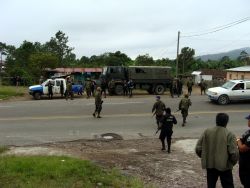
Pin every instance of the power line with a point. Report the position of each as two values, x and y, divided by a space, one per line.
219 28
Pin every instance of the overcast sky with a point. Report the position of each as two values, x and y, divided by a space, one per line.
132 26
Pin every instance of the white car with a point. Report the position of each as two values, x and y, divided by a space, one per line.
233 90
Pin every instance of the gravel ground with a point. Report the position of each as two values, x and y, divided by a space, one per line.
142 158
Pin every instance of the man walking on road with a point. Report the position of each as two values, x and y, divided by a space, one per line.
218 152
190 84
158 110
184 106
98 103
166 126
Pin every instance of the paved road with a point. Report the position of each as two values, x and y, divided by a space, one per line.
34 122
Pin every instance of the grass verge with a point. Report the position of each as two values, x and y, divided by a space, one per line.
3 149
11 91
47 171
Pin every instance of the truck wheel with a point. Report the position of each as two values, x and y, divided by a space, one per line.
119 89
37 96
159 89
223 99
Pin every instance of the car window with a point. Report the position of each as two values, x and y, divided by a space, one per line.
247 85
239 86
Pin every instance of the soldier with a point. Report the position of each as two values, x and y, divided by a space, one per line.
130 87
166 126
183 106
111 86
158 110
88 84
125 88
178 87
203 86
98 103
190 84
103 87
50 90
171 88
61 89
69 89
93 87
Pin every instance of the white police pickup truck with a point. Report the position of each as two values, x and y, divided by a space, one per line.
37 91
233 90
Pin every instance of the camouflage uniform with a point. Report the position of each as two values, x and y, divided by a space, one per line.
190 84
111 87
183 106
203 86
88 87
158 110
69 90
98 103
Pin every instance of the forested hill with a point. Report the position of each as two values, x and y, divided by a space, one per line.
234 54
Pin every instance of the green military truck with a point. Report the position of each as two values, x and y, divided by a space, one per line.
154 79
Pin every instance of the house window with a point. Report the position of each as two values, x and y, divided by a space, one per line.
242 77
230 76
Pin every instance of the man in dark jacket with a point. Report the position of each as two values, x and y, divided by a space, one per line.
166 126
244 162
218 152
50 90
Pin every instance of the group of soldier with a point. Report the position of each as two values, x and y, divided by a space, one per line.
176 86
127 86
64 93
165 120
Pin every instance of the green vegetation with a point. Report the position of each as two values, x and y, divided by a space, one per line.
31 59
11 91
25 172
3 149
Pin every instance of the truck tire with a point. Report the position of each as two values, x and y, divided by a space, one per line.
159 89
119 89
37 96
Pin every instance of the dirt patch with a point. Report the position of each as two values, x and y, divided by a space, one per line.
142 158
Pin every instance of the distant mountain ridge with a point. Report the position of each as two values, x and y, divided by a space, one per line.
233 54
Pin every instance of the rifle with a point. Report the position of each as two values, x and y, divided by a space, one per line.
177 110
157 131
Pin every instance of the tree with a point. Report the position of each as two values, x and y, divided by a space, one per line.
144 60
40 61
186 58
244 57
59 46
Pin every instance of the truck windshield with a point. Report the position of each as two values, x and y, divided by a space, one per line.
228 85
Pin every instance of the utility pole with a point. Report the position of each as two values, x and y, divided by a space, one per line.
177 56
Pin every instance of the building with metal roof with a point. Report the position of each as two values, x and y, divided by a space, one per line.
238 73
